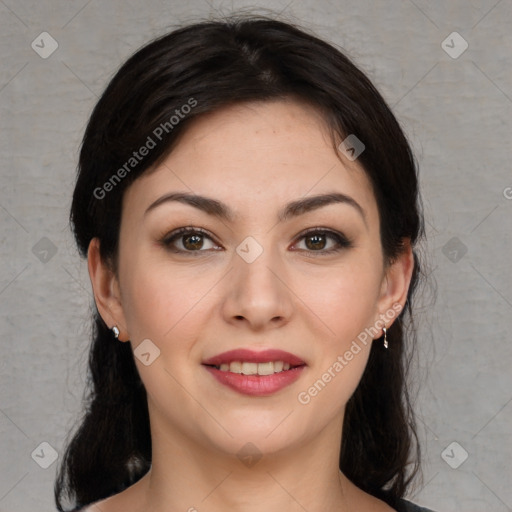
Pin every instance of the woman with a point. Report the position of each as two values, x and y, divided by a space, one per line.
249 209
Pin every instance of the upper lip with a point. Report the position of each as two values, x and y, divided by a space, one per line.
253 356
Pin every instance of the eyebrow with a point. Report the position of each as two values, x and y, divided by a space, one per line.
293 209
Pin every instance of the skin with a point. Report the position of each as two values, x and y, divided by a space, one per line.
255 158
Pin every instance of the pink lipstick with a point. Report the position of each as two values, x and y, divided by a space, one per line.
255 373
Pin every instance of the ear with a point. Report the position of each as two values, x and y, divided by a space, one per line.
395 283
106 290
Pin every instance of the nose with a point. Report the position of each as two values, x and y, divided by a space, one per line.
258 293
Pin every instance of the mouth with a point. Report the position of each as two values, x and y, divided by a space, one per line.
255 373
248 368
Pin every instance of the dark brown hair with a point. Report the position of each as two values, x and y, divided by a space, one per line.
211 65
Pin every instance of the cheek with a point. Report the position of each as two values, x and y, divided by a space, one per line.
346 303
344 299
161 302
168 307
338 367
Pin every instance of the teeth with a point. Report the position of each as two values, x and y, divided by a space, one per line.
250 368
268 368
235 367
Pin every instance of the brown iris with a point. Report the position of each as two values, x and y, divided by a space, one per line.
318 241
196 241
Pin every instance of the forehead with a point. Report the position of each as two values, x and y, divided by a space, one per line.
255 157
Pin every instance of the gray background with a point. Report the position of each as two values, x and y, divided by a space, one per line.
457 113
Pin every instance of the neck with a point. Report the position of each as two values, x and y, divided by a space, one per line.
184 476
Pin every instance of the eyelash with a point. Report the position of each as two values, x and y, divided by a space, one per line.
342 241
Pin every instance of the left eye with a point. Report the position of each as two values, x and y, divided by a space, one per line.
316 241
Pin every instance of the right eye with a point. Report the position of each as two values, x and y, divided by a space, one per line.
191 240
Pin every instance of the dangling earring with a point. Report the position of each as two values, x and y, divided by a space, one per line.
385 337
115 330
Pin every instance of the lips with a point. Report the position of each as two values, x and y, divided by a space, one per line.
251 356
254 373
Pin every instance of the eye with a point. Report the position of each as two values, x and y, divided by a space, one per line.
189 240
196 240
316 240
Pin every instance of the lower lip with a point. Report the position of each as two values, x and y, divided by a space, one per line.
257 385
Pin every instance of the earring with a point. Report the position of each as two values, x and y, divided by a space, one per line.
115 330
385 337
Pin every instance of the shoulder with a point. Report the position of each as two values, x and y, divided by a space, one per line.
408 506
127 500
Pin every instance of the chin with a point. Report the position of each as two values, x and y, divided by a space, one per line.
257 438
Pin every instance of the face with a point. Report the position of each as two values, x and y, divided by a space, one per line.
278 270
